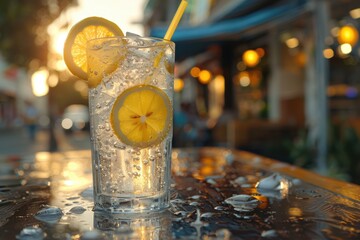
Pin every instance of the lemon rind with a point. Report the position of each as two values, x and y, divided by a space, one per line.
119 103
74 31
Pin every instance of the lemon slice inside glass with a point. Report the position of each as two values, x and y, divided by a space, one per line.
141 116
75 44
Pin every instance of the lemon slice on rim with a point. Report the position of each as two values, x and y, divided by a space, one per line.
141 116
75 44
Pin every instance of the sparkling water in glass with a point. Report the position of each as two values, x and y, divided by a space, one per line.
132 157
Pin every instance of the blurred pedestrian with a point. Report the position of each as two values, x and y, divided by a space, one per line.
31 120
186 132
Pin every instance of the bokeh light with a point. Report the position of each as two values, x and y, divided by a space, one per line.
345 48
39 82
195 71
328 53
67 123
219 82
53 80
58 42
348 34
204 76
178 85
241 66
251 58
244 79
260 52
292 42
355 13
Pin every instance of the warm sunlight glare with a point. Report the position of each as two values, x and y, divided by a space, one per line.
58 42
39 82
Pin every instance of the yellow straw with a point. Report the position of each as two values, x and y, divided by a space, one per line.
176 19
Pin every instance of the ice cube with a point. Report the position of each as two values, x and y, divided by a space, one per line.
130 34
272 182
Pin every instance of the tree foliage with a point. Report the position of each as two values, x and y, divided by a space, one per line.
23 28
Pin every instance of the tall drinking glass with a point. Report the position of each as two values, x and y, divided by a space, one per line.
131 111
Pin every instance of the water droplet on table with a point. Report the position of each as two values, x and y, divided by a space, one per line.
124 229
194 204
220 208
198 223
207 215
177 200
87 193
77 210
296 182
31 233
223 234
269 234
240 180
243 202
91 235
195 197
49 214
72 198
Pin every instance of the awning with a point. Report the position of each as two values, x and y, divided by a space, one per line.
230 29
235 8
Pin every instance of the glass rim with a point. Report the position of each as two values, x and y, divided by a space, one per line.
156 39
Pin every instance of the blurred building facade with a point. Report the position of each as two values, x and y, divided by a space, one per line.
283 64
15 92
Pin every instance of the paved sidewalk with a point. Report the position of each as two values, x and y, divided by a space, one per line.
16 142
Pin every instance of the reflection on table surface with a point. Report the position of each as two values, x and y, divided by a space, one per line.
216 194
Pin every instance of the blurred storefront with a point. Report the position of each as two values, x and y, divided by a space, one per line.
15 92
285 65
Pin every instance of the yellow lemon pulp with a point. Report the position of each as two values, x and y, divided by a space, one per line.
141 116
75 45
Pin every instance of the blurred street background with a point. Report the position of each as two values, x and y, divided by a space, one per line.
280 78
15 142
